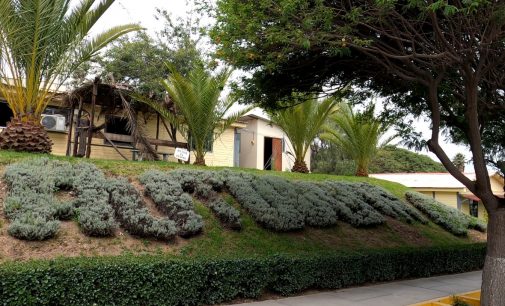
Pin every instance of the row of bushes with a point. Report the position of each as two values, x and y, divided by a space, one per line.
94 213
170 198
30 204
449 218
158 280
206 186
284 205
132 214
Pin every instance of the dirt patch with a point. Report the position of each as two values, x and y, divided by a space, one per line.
148 202
476 236
408 233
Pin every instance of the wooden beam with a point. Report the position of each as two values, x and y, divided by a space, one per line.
69 136
92 119
77 124
112 144
152 141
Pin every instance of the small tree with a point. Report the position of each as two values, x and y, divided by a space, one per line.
459 161
302 123
202 112
358 135
41 43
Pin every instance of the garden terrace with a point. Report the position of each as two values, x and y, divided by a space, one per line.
214 215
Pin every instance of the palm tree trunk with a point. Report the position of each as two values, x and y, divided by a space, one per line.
300 166
199 160
362 171
25 136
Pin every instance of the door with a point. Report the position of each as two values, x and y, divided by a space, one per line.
236 150
277 154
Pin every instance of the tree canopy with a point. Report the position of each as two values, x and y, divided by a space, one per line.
444 60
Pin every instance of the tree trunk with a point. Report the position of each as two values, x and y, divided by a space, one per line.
300 166
199 161
25 136
493 277
362 171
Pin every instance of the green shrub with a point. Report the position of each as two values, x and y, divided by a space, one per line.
30 204
449 218
158 280
31 226
134 216
226 213
170 198
94 213
362 214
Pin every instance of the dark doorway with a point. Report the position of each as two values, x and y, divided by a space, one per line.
272 154
267 154
5 114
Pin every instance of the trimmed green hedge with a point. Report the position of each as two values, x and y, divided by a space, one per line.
159 280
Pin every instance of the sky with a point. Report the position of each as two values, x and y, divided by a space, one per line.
143 11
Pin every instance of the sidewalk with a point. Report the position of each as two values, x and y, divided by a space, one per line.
389 294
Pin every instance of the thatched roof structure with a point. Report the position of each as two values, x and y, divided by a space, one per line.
114 99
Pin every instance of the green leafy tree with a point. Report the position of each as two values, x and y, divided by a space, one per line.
41 43
302 123
459 161
391 159
202 114
439 59
358 135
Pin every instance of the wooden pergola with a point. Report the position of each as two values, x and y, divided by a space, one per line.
111 99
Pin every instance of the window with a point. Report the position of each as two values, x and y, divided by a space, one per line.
209 142
119 126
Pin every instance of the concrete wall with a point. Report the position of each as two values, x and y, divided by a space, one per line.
249 145
253 145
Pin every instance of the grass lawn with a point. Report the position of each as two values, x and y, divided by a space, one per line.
216 241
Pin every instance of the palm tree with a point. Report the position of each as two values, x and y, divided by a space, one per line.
41 43
459 161
358 135
302 123
202 115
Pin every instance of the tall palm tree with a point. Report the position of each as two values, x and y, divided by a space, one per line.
41 43
302 123
358 135
202 115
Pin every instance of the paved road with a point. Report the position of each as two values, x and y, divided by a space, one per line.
389 294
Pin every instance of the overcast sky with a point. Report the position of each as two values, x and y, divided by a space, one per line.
143 11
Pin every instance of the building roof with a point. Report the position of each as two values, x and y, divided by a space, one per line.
439 180
423 180
257 113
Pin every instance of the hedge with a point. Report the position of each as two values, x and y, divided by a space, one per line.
160 280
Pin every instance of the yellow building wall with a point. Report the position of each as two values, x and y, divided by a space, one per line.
448 198
221 155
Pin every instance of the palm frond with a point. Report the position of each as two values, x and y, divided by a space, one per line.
303 122
41 42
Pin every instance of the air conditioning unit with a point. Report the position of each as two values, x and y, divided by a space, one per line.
54 122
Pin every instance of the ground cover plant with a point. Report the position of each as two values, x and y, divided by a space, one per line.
170 198
449 218
219 264
134 216
30 204
102 205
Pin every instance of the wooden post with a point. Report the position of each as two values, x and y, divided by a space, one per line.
69 137
92 118
157 129
77 130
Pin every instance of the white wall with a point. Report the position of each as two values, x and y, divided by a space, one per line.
253 145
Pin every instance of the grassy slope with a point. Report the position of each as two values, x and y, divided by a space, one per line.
256 241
